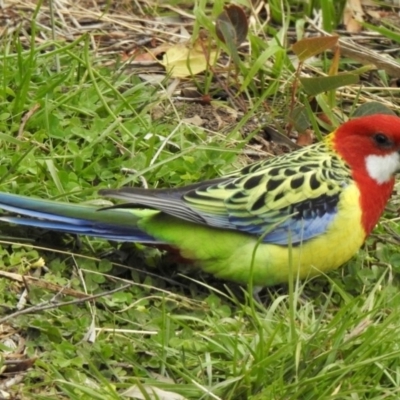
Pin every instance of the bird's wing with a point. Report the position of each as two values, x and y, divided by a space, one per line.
289 199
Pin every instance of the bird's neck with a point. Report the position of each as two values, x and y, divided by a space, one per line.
373 198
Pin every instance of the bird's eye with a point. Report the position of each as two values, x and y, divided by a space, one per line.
382 140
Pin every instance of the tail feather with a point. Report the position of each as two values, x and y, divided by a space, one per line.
113 224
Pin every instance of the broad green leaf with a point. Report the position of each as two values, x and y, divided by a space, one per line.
372 107
314 86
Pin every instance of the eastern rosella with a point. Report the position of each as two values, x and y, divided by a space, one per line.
309 210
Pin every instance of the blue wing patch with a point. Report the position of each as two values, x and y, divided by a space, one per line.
295 224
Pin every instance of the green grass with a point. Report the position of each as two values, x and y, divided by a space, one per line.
175 329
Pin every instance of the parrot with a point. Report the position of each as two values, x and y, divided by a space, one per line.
299 214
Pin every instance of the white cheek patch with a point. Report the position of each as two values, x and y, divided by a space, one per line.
382 168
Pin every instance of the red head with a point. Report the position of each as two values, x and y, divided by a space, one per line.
370 145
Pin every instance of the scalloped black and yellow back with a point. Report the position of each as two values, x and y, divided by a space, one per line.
293 197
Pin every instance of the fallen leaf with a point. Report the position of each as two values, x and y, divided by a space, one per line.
305 138
353 16
181 61
13 366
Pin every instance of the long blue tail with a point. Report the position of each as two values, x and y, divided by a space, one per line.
111 224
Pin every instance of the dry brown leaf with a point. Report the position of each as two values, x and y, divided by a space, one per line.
13 366
232 25
305 138
353 15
